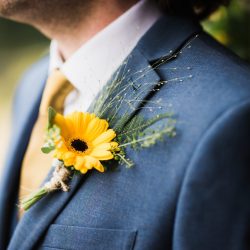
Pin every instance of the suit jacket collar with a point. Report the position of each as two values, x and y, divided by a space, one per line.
167 36
36 221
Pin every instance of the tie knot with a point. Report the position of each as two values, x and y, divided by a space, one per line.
56 89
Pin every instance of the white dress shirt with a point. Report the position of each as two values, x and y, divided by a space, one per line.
91 66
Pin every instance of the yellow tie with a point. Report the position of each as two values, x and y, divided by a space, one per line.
36 165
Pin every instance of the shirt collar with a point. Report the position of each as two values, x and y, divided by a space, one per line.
94 63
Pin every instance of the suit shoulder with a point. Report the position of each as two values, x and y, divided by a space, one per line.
206 73
219 53
219 64
222 70
31 82
36 70
34 73
202 83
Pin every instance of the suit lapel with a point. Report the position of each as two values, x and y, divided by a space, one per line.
128 89
136 81
23 123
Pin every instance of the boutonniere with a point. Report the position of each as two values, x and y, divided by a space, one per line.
82 142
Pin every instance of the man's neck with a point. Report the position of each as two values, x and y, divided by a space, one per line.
70 37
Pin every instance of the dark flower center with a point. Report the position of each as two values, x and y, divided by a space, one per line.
79 145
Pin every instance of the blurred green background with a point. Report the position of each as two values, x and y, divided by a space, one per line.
21 45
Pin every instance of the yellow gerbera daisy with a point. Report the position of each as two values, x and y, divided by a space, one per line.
85 141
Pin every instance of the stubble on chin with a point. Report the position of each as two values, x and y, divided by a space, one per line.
15 9
43 11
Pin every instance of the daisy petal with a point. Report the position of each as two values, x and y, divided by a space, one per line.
101 155
79 122
69 159
104 146
107 136
91 162
61 122
95 128
80 165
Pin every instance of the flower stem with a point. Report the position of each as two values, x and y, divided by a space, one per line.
33 198
58 181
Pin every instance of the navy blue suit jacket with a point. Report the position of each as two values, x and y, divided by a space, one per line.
191 192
